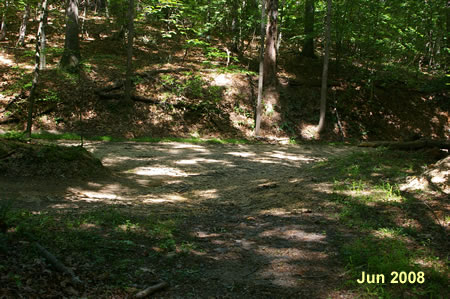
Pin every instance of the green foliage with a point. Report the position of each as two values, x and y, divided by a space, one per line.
381 256
385 256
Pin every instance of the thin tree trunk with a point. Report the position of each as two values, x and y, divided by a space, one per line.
83 20
280 35
308 47
71 56
261 72
270 55
43 55
23 26
323 92
107 11
235 26
3 25
129 73
36 69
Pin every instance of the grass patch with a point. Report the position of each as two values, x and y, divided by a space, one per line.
374 255
368 199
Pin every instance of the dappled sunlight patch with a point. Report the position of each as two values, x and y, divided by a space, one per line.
222 80
309 132
206 194
159 171
285 156
64 206
88 226
274 212
202 160
241 154
296 232
5 59
162 199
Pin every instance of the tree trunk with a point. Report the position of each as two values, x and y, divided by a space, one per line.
36 69
323 92
270 55
235 26
71 56
23 26
128 83
261 72
3 25
43 59
279 37
308 47
83 20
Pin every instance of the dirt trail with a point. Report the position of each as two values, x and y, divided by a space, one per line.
256 212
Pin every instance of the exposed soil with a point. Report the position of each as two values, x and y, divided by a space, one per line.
256 212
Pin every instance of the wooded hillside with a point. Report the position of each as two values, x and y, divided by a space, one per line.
183 68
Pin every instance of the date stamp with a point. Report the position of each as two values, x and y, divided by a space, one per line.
396 277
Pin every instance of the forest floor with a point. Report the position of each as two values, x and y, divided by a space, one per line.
229 221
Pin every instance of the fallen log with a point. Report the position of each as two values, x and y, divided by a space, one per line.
150 290
57 264
408 145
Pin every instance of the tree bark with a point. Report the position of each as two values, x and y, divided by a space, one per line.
128 83
71 56
43 63
323 91
36 69
308 47
3 25
280 25
270 55
235 24
23 26
261 72
83 20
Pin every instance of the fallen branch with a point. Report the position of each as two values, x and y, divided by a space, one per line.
408 145
57 264
152 289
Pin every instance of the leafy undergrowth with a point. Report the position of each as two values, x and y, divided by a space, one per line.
114 251
397 231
